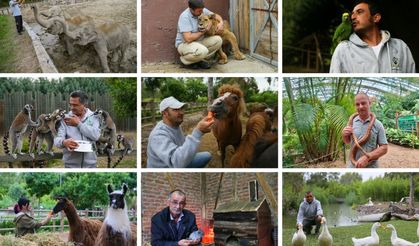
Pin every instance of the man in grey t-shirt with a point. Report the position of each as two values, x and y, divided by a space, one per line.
191 43
376 145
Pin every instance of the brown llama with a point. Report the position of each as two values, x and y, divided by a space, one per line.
83 231
117 229
257 139
227 109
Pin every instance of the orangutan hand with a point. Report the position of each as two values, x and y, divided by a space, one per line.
205 124
362 162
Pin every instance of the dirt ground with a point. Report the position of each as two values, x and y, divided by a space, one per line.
86 59
249 65
396 157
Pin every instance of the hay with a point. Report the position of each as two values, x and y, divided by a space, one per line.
39 239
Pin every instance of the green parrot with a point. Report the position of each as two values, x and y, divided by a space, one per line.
343 31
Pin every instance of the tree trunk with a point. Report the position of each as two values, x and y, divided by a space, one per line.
210 89
412 191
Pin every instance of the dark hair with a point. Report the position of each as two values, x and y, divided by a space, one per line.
373 6
16 208
84 99
22 201
194 4
308 192
177 191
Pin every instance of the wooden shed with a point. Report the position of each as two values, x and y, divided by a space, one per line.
243 222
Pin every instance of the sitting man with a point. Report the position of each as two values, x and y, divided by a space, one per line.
191 42
310 213
168 146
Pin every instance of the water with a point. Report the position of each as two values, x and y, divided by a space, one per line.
336 214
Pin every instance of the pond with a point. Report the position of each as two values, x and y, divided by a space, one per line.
336 214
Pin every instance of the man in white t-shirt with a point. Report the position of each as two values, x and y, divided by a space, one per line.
369 49
15 8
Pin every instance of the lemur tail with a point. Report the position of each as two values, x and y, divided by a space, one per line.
120 158
5 143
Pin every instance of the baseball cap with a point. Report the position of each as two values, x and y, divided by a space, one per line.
170 102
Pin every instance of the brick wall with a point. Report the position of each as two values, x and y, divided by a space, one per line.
155 188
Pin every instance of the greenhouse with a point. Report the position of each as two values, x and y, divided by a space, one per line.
316 111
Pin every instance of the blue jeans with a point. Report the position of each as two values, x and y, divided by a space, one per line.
200 160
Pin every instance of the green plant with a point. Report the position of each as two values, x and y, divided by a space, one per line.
399 137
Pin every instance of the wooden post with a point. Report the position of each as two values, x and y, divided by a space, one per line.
170 180
234 179
203 197
218 191
61 221
270 197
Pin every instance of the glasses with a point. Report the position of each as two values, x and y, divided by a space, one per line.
181 204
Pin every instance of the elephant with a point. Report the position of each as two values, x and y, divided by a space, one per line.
108 37
73 23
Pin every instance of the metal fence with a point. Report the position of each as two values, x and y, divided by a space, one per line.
46 103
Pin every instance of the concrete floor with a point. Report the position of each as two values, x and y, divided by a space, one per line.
249 65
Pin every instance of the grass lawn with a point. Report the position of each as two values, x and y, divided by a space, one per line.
342 235
7 30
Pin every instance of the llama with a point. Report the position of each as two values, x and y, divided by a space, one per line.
116 229
83 231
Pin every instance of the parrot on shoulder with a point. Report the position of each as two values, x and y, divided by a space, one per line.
342 32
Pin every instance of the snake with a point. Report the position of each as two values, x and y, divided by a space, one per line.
362 140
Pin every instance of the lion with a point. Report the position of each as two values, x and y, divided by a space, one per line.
226 35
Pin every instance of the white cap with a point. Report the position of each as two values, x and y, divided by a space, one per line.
170 102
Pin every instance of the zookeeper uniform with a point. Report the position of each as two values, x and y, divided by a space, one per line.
392 55
377 137
200 49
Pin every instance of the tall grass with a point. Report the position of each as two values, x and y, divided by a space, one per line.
7 29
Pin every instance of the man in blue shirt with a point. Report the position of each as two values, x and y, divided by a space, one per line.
192 44
15 8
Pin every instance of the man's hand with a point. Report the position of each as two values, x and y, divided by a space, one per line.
362 162
70 144
72 121
205 124
347 131
186 242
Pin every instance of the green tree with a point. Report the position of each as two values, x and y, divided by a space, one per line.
174 87
195 88
40 184
349 178
16 191
152 84
124 95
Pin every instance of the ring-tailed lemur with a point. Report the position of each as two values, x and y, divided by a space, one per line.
106 142
47 130
128 145
17 129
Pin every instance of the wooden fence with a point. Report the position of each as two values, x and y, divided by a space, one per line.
58 223
147 107
46 103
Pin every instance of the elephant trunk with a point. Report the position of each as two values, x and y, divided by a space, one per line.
42 22
72 35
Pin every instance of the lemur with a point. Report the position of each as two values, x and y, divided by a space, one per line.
106 142
47 130
128 145
16 131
